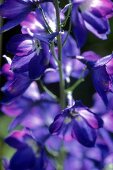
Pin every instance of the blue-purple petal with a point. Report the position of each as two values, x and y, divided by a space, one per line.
84 133
79 29
15 87
101 81
38 64
16 139
23 159
57 124
20 45
99 24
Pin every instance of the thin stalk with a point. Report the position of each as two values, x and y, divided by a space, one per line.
67 17
75 85
62 82
45 20
67 34
68 14
48 91
53 52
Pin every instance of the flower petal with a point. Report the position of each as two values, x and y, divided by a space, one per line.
83 133
23 159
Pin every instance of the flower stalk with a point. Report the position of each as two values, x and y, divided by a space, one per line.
62 82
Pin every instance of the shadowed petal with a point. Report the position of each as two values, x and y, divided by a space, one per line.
84 133
23 159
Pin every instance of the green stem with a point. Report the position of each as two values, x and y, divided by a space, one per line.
48 91
68 14
67 17
75 85
62 82
52 47
69 30
45 20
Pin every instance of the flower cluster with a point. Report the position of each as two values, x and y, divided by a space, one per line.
51 130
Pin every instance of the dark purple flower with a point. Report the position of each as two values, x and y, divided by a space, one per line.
79 157
101 76
106 113
16 11
31 55
30 110
77 122
44 161
5 70
25 157
54 144
17 139
15 85
34 22
92 15
71 66
73 163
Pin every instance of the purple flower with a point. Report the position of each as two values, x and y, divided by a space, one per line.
30 110
34 22
25 157
101 75
79 157
16 11
72 67
77 122
15 85
106 113
92 15
44 161
73 163
31 55
17 139
36 26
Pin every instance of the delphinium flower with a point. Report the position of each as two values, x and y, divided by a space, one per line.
31 55
36 23
104 139
101 77
41 23
32 51
44 45
91 15
30 109
15 85
72 67
16 11
106 113
77 122
79 157
25 157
